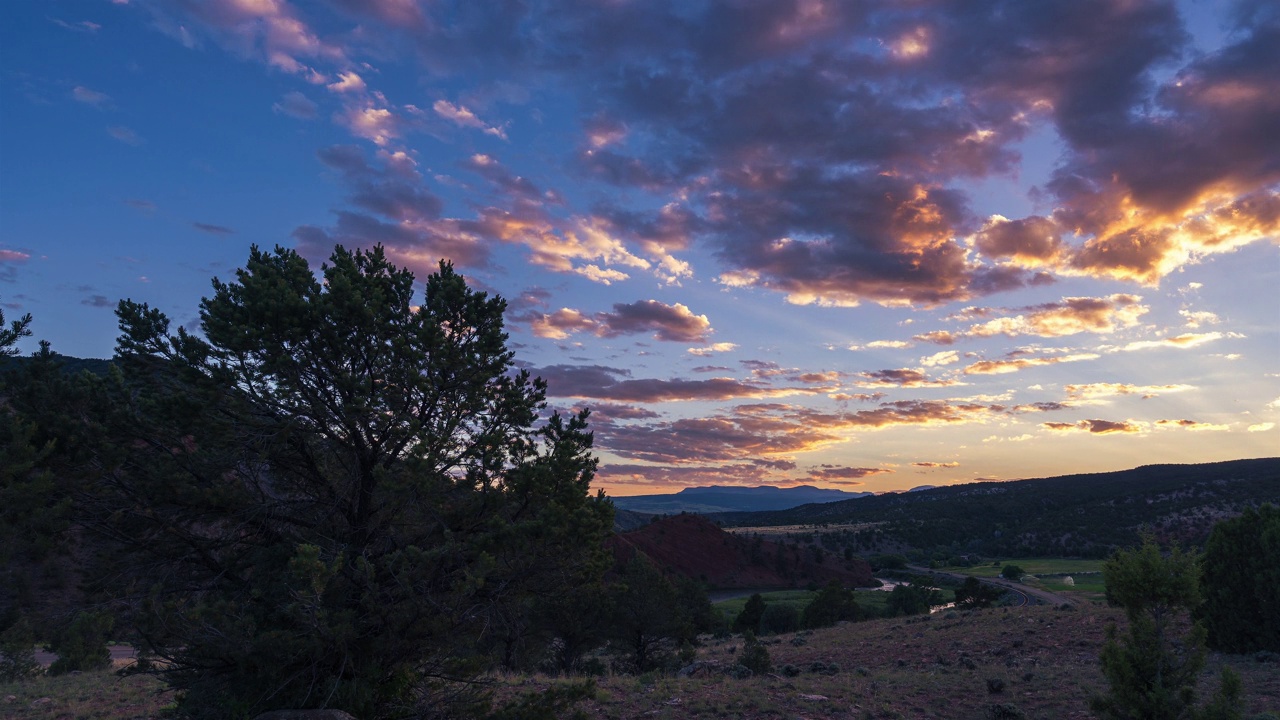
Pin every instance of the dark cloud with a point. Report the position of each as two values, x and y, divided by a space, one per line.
604 383
674 323
667 322
903 377
826 150
1096 427
212 229
98 301
844 475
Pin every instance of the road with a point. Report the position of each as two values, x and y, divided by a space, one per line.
118 652
1026 593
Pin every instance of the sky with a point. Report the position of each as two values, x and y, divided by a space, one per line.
867 245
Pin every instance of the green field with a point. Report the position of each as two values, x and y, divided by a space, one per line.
872 602
798 598
1050 574
1033 566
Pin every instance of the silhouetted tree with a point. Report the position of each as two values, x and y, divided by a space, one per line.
1241 582
972 593
751 614
831 605
326 499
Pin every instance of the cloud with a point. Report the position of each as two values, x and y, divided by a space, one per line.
936 464
668 322
373 122
1096 427
124 135
97 301
713 348
1191 425
1091 392
1199 317
1010 365
269 31
212 229
1069 316
9 262
296 105
463 117
903 377
940 359
1261 427
348 82
829 152
880 344
84 26
90 97
844 475
1183 341
141 204
673 323
604 383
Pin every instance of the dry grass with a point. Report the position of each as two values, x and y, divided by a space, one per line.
928 667
81 696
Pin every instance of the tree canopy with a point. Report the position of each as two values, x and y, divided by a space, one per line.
1241 582
333 492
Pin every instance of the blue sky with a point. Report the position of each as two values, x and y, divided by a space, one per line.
867 245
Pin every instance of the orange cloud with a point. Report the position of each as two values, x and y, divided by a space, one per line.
1096 427
1000 367
1100 391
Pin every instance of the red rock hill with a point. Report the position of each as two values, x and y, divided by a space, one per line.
692 546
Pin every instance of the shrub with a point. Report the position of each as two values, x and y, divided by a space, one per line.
752 612
82 644
1011 572
755 656
780 618
1241 582
17 652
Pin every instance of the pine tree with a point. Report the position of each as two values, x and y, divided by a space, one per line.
328 498
1153 668
1241 582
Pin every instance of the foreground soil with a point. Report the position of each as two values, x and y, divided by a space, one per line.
1032 662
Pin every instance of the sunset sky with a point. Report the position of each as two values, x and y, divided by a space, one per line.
865 245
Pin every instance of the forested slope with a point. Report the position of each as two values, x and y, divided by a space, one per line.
1072 515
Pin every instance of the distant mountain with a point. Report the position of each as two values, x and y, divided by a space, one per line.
1072 515
70 365
722 498
692 546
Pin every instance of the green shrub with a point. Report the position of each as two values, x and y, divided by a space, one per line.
755 656
780 618
82 644
17 652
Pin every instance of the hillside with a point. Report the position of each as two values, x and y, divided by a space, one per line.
694 547
1072 515
722 498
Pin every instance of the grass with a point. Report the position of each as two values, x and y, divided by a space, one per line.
931 666
799 598
85 696
872 601
1034 566
1050 574
922 667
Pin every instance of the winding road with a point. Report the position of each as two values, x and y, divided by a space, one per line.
1026 593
